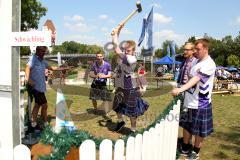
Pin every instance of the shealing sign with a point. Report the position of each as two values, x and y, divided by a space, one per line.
32 38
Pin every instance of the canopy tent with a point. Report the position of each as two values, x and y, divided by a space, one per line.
220 67
166 60
231 69
178 62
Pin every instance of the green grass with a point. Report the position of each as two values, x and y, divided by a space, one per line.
79 106
224 143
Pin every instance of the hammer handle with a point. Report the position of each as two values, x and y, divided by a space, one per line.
126 19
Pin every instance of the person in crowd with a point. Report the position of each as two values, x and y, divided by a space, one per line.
159 71
165 68
141 69
225 74
63 75
35 80
127 100
183 78
177 72
198 91
142 78
187 65
100 71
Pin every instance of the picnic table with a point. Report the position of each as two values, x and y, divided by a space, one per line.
223 84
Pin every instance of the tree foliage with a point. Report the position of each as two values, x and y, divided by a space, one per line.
225 51
233 60
72 47
31 12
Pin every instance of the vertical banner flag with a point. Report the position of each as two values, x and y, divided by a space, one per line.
143 31
168 50
150 29
173 51
147 30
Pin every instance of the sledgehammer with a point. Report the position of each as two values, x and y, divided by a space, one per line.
139 9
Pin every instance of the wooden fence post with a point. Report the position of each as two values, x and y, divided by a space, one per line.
119 150
87 150
105 152
138 147
130 148
21 152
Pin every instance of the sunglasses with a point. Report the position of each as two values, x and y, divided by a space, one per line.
187 49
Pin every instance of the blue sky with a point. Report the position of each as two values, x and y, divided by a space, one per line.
91 21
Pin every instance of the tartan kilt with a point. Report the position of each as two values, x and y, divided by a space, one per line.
100 93
129 102
198 121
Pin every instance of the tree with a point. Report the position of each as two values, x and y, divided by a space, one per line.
237 45
192 39
233 60
57 49
93 49
220 60
159 53
31 12
25 51
71 47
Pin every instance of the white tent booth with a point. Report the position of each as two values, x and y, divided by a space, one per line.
10 134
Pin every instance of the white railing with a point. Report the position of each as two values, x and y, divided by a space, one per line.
159 143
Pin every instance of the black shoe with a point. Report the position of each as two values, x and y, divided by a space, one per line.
120 125
184 153
193 156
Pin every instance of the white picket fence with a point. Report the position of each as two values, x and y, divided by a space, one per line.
159 143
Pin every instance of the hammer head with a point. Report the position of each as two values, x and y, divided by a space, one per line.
139 7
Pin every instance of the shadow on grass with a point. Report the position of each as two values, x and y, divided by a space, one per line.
232 139
110 125
85 90
90 114
72 90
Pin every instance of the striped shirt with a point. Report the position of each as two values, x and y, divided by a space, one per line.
199 96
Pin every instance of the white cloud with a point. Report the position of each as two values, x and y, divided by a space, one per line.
77 18
126 31
103 17
104 29
156 5
80 27
111 21
237 20
85 39
161 19
163 35
80 38
73 18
